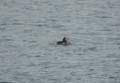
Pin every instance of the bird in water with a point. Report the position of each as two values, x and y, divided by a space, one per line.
63 42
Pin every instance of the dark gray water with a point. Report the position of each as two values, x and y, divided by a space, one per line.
29 30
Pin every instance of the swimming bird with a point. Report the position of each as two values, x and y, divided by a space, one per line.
63 42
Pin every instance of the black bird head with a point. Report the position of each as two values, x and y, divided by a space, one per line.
64 39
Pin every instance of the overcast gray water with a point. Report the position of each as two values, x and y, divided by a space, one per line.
29 30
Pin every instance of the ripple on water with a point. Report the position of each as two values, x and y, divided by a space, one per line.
6 82
2 29
92 48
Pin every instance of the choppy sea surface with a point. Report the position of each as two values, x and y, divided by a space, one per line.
29 30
